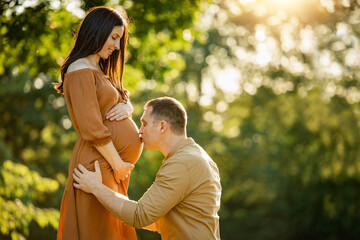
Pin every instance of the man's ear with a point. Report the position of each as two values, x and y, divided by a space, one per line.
163 126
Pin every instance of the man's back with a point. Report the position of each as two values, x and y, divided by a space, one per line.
184 199
195 176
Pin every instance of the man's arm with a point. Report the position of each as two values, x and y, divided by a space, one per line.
165 193
170 187
152 227
91 182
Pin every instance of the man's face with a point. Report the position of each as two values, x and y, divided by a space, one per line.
150 130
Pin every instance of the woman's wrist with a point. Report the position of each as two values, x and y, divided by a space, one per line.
118 163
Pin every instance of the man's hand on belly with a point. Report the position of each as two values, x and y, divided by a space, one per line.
85 179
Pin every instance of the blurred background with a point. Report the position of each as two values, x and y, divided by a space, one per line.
272 90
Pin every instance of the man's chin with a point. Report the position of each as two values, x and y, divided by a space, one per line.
146 146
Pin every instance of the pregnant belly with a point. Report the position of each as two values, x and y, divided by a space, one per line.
125 136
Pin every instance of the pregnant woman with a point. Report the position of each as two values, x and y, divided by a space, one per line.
92 85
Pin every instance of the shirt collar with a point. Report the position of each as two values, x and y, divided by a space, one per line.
179 145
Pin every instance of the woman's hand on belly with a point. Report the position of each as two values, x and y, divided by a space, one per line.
122 171
120 111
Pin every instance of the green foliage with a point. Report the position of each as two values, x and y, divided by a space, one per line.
20 189
293 176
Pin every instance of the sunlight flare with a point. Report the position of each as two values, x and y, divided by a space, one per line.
285 3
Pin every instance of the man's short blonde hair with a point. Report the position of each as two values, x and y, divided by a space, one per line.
170 110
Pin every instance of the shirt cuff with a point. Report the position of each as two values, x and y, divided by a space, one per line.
101 142
128 212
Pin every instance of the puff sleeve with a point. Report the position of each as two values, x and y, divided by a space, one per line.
83 106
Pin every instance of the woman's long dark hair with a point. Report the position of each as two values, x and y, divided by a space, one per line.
91 37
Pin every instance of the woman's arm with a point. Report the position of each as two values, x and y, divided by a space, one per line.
81 95
121 169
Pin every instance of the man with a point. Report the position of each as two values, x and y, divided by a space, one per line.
184 199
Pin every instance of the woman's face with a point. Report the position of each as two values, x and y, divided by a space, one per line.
112 43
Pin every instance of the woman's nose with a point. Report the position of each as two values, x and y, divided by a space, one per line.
117 45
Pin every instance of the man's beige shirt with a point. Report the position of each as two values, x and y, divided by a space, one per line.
184 199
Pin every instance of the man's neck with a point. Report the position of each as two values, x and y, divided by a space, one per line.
170 142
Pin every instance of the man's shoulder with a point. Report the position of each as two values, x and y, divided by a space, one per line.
197 164
192 154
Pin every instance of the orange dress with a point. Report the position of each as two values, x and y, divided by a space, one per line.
89 95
